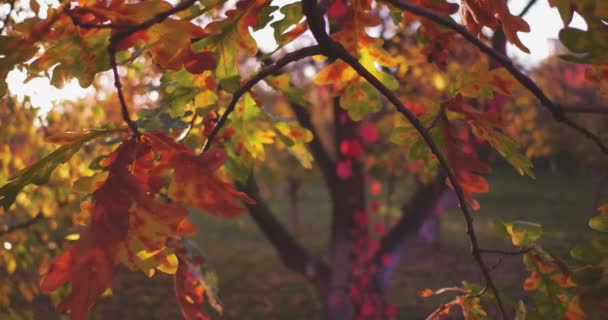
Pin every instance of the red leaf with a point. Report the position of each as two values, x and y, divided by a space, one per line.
338 9
190 292
344 169
198 62
351 148
369 133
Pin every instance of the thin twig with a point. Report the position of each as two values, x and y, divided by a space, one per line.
506 253
23 225
121 97
556 110
334 49
527 8
439 115
245 87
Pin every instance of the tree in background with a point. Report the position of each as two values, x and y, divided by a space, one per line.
201 124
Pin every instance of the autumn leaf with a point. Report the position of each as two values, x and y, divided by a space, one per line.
89 264
126 225
196 184
192 285
463 160
230 36
40 172
168 41
13 51
477 14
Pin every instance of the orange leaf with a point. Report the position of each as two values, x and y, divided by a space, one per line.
426 293
477 14
195 184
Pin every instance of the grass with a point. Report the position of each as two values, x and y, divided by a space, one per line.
255 285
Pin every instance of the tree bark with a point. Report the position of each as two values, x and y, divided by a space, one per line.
293 192
348 206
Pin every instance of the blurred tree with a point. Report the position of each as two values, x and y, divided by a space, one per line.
209 105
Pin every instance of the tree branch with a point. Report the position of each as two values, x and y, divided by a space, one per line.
527 8
24 225
266 71
594 110
121 97
414 212
293 255
333 49
352 61
556 110
506 253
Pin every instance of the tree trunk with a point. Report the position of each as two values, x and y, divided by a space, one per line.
293 191
349 217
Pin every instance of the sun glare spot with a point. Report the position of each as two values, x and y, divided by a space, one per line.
41 93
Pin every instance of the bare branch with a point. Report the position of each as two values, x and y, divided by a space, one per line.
265 72
527 8
556 111
506 253
121 97
24 225
334 49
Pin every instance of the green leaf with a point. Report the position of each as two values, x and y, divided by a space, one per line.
292 15
500 228
359 99
404 135
230 83
40 172
13 51
576 40
599 223
524 233
79 56
587 275
419 150
283 84
586 253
